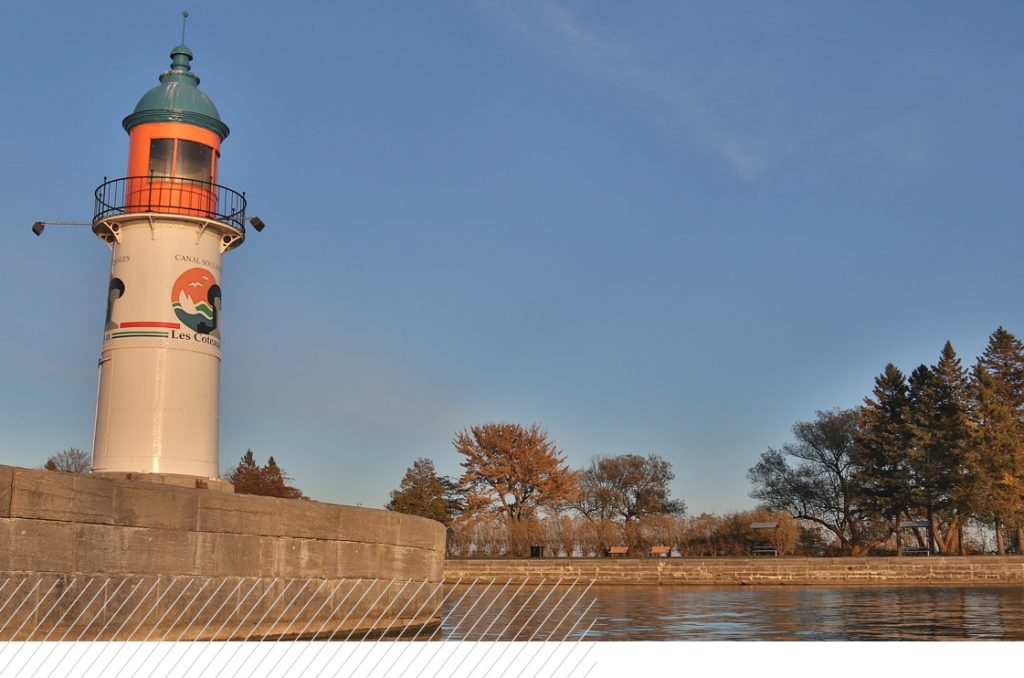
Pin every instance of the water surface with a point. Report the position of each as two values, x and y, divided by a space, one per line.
735 613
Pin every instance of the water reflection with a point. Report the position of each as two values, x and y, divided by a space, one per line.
735 613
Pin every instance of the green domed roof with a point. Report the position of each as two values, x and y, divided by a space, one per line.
178 99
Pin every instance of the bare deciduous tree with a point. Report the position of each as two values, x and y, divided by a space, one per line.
71 460
628 487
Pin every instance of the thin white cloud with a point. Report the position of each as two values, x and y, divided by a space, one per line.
728 104
756 105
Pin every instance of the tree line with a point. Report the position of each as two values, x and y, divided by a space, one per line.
516 492
926 456
923 457
248 477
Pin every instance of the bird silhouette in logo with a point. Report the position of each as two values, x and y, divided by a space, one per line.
195 298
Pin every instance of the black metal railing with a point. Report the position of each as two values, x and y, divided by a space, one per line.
170 195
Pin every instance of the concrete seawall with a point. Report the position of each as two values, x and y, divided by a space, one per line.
59 530
762 571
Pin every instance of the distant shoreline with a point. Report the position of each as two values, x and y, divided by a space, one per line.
760 571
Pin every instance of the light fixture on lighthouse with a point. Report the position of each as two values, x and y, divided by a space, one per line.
38 227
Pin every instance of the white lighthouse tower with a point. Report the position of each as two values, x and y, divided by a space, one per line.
168 223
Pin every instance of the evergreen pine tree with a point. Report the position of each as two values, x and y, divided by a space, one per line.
1004 359
883 454
940 427
423 493
269 480
997 460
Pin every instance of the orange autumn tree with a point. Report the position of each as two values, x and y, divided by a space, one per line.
515 471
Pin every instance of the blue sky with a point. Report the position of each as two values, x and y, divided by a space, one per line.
652 228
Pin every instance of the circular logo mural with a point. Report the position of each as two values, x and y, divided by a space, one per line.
195 298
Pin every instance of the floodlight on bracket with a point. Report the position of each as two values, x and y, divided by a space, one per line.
38 227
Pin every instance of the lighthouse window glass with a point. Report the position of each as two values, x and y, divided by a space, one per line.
161 157
195 161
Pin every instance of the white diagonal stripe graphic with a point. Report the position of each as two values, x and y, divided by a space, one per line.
298 614
528 620
6 582
157 624
581 618
368 609
441 625
43 618
561 621
220 628
73 624
437 610
324 625
589 648
487 648
275 622
181 614
86 629
471 628
216 634
398 616
541 625
468 635
70 607
234 631
203 607
273 625
280 608
552 610
420 628
413 597
11 597
99 633
518 612
539 646
583 635
338 628
354 628
452 611
258 622
18 609
220 607
571 608
373 628
118 631
571 629
213 616
304 628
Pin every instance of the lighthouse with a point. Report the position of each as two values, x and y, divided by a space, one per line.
168 224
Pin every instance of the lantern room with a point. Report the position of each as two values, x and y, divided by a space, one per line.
175 134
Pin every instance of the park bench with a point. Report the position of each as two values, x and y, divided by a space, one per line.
762 548
663 551
617 550
915 526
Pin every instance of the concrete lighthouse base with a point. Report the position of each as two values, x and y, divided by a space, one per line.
341 569
175 479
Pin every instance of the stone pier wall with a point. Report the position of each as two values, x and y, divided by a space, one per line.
770 571
57 527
